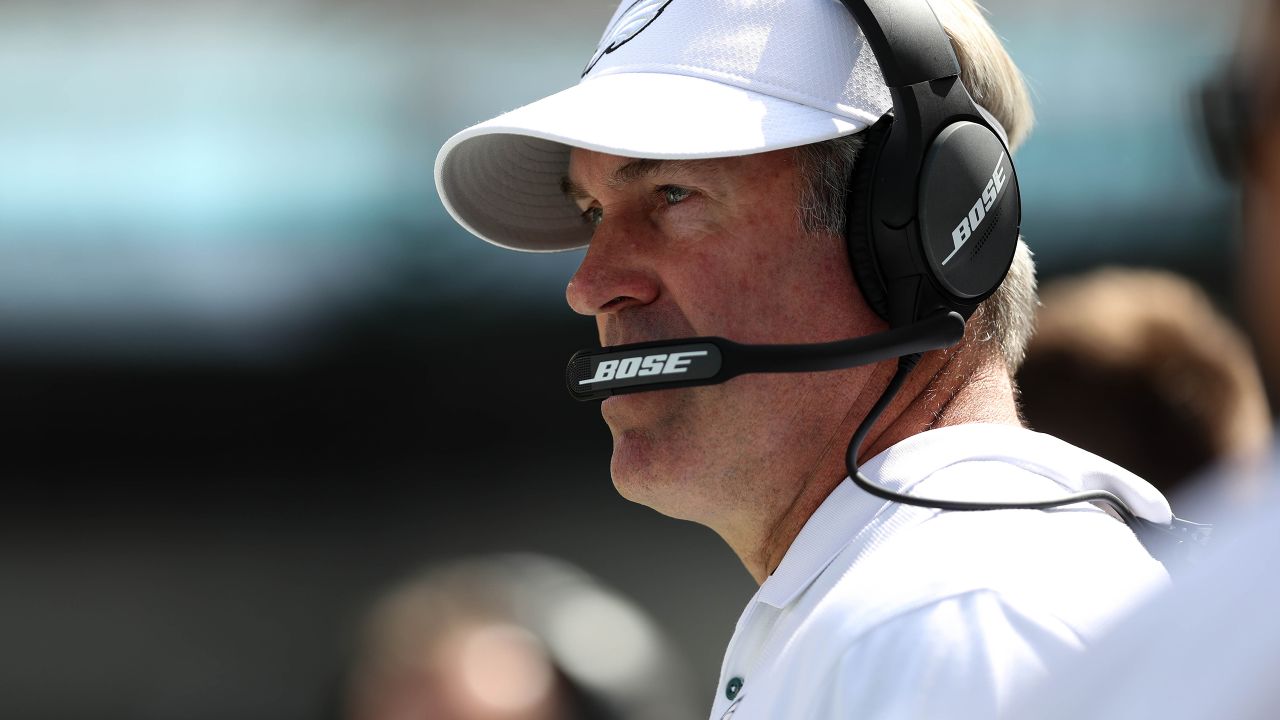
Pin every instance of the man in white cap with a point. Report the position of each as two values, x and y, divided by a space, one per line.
704 161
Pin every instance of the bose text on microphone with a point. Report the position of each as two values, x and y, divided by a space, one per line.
665 364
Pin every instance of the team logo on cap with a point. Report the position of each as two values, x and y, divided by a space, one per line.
630 23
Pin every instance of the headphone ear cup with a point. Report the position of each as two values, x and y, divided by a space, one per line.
857 208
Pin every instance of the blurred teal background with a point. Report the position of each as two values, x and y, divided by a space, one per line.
224 178
240 334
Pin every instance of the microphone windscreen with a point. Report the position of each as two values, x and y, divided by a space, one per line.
597 374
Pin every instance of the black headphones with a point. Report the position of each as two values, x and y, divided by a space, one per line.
933 208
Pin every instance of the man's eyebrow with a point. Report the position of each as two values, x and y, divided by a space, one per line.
643 168
573 190
633 171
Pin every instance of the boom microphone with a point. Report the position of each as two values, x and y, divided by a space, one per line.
663 364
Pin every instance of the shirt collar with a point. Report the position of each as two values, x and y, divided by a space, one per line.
847 514
836 522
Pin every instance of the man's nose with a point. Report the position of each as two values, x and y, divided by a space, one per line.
614 275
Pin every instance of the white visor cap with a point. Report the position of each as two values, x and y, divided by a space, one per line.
670 79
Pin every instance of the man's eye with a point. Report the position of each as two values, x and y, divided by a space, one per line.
592 216
674 194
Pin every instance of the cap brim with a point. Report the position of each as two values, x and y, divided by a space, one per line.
501 179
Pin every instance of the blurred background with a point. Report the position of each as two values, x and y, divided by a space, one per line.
254 375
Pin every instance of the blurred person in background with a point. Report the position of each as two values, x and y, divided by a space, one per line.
1138 367
1209 646
706 161
512 637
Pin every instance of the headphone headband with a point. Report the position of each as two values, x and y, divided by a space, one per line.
907 39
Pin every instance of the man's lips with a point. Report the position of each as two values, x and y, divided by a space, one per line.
636 326
616 338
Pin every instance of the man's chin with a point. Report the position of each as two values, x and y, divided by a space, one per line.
642 473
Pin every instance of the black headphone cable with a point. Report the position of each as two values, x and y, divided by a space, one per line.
1163 541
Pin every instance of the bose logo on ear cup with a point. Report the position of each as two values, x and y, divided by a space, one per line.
978 212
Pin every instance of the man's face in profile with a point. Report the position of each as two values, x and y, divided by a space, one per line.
712 247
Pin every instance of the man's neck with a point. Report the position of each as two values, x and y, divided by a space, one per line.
946 389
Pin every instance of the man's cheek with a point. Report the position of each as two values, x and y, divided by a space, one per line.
695 226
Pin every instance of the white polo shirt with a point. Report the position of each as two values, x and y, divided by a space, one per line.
880 610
